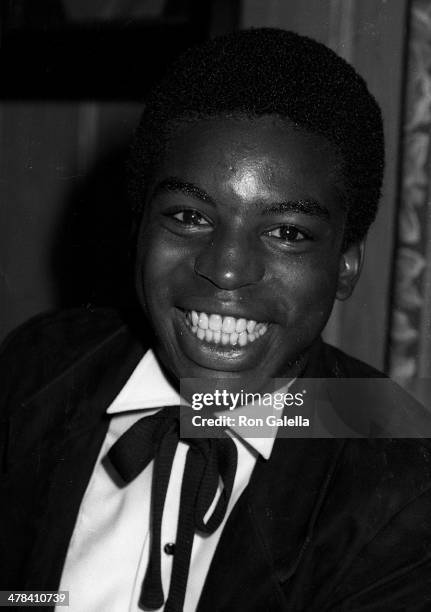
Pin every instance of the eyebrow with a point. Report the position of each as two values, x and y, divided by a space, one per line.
306 206
189 189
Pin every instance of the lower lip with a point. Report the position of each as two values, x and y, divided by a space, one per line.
218 357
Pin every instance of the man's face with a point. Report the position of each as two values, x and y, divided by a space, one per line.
239 253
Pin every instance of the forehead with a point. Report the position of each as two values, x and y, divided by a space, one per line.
247 154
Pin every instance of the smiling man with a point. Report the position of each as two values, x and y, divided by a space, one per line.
255 175
241 213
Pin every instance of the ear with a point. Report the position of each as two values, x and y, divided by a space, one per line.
350 269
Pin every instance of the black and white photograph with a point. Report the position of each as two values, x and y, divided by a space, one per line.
215 305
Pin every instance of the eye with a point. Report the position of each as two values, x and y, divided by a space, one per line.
190 216
288 233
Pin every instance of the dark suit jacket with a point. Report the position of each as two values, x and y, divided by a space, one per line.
325 524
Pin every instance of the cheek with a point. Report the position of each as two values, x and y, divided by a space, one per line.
306 290
161 269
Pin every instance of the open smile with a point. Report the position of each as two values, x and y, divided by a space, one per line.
227 330
206 339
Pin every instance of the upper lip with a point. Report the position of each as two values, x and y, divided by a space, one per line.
225 308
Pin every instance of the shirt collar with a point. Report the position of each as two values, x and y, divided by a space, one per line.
149 388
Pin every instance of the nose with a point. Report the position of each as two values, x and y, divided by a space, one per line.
230 260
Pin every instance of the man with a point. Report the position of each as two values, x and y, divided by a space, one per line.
256 172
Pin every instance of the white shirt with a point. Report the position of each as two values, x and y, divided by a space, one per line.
109 549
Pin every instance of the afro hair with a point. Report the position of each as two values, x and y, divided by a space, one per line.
268 71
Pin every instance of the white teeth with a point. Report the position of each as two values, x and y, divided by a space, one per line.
250 326
216 329
241 325
215 322
242 338
229 324
203 321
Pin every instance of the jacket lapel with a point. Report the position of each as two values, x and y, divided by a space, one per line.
270 527
272 524
54 442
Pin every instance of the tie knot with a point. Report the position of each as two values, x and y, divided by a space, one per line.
134 450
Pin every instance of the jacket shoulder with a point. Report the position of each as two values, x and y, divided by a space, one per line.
342 365
46 345
368 398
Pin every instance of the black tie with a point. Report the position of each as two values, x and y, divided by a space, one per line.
208 460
